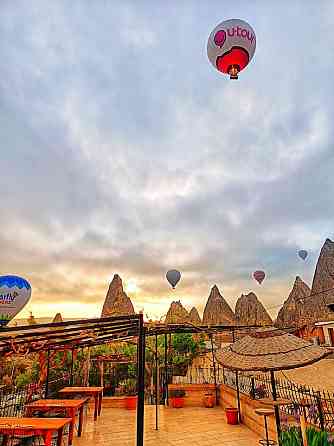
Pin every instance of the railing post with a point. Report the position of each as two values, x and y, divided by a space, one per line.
72 363
321 413
253 387
47 375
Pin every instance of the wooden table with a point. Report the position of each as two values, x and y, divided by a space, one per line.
35 426
96 392
71 408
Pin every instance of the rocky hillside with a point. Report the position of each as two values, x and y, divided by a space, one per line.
250 311
194 317
292 312
177 314
322 291
117 303
217 311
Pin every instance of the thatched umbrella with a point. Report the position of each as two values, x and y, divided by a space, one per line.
270 350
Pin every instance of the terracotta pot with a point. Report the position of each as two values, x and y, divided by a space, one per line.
209 400
231 415
177 402
131 402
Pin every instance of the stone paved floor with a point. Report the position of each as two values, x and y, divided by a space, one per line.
178 427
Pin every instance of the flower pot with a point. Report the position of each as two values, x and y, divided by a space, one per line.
231 415
177 402
209 400
131 402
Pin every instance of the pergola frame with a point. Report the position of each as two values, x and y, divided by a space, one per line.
92 332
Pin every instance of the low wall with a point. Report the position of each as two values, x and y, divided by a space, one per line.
228 398
194 393
117 402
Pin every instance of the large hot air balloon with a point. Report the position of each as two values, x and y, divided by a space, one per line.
303 254
231 46
173 276
15 292
259 276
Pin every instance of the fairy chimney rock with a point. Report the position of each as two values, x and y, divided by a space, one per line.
57 318
117 303
176 314
292 312
322 291
217 311
250 311
194 316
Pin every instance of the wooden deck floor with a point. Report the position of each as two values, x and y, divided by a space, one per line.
177 427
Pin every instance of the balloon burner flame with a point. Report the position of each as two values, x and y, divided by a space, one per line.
233 72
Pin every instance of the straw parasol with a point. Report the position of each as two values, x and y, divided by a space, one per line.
269 350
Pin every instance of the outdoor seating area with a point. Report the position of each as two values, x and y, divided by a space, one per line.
66 407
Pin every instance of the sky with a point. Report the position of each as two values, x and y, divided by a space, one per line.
124 151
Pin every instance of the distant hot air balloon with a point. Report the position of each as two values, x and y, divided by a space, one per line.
259 276
231 46
173 276
303 254
15 292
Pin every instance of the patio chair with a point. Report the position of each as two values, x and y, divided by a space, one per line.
16 436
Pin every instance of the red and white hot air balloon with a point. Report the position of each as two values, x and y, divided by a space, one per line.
231 46
259 276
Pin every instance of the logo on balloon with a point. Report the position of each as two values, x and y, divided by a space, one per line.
15 292
220 38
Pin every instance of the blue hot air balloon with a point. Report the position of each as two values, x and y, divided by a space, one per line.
303 254
15 292
173 276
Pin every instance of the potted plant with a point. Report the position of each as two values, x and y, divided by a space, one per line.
231 415
131 395
177 398
209 399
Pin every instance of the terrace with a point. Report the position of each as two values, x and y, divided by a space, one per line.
177 427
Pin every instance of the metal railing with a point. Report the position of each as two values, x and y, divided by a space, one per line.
317 404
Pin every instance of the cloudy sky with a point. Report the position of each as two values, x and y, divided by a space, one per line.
123 150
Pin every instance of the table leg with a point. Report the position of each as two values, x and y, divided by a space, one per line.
96 404
60 437
100 403
71 414
81 410
48 438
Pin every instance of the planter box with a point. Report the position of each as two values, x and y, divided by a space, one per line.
194 393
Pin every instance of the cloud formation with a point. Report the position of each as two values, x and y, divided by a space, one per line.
124 151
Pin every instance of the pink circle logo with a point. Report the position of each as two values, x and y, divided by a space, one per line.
220 38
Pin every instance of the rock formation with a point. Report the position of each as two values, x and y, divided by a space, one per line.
322 292
217 311
31 319
250 311
117 303
194 316
57 318
292 312
177 314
